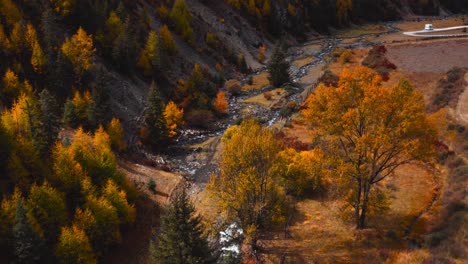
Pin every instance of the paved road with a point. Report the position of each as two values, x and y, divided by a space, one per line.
421 33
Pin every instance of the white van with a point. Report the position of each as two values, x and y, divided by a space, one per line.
428 27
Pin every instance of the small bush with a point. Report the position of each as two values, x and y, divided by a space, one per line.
211 39
345 57
338 51
434 239
391 234
233 87
151 185
199 118
267 95
291 105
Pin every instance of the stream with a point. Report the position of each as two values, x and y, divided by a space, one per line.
182 158
196 169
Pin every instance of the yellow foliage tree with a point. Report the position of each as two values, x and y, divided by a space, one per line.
167 40
19 119
118 198
303 171
80 51
174 117
220 103
74 247
37 57
116 134
373 130
68 173
11 84
47 205
247 189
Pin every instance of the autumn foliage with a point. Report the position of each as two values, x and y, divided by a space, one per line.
372 130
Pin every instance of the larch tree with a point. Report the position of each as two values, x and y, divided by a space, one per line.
181 17
167 40
116 134
149 59
220 102
247 190
73 247
47 205
174 117
182 238
80 51
372 130
278 67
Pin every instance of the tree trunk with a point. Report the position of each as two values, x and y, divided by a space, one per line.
357 205
365 203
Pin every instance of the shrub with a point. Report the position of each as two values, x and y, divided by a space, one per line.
199 118
435 238
267 95
338 51
151 185
233 87
211 39
345 57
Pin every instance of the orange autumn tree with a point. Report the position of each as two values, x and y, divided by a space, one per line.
371 130
220 103
174 118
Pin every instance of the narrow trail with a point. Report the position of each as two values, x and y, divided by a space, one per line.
435 197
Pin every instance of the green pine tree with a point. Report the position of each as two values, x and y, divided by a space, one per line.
70 116
181 239
278 68
154 118
27 244
49 122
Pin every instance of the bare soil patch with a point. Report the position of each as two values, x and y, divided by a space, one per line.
140 175
431 56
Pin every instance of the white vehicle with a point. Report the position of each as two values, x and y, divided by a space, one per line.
428 27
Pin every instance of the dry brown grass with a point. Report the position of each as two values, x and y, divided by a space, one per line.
312 48
313 73
262 100
259 81
302 62
362 30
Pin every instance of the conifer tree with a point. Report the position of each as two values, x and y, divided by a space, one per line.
278 68
48 120
181 239
27 244
154 119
